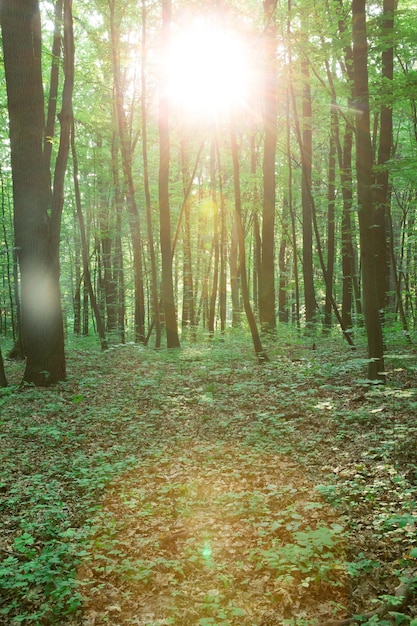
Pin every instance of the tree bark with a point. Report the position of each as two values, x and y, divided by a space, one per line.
3 379
84 248
152 255
382 189
366 209
126 149
259 350
267 274
164 208
331 199
42 322
306 163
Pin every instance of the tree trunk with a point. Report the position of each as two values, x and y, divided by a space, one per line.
216 251
331 198
164 208
257 261
188 314
152 255
283 266
306 163
259 350
3 379
382 190
267 277
126 149
84 249
223 247
42 323
365 181
234 276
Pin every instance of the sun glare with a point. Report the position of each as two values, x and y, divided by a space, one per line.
208 70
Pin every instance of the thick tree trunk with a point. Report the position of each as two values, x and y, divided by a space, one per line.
365 181
42 323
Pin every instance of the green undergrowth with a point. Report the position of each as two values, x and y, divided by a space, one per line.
194 486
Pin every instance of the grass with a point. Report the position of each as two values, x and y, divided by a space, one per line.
195 487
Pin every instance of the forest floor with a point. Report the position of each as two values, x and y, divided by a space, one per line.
195 487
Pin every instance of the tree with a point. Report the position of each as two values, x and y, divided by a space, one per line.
366 206
164 209
3 379
259 350
267 273
127 149
306 147
382 188
36 219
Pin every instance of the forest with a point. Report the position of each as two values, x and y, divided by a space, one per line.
208 312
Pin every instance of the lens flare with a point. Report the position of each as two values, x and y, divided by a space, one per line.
208 70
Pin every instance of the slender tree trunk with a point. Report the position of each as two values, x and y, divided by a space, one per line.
118 267
234 276
257 261
65 119
306 162
351 288
3 379
331 199
382 189
126 149
259 350
283 266
216 246
77 280
152 255
397 287
365 181
223 246
164 208
84 249
348 258
267 277
187 317
53 85
86 309
9 260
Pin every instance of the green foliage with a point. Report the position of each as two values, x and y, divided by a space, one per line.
285 483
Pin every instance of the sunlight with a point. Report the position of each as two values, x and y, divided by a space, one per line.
208 70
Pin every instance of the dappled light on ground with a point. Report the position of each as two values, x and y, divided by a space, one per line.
206 533
194 488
